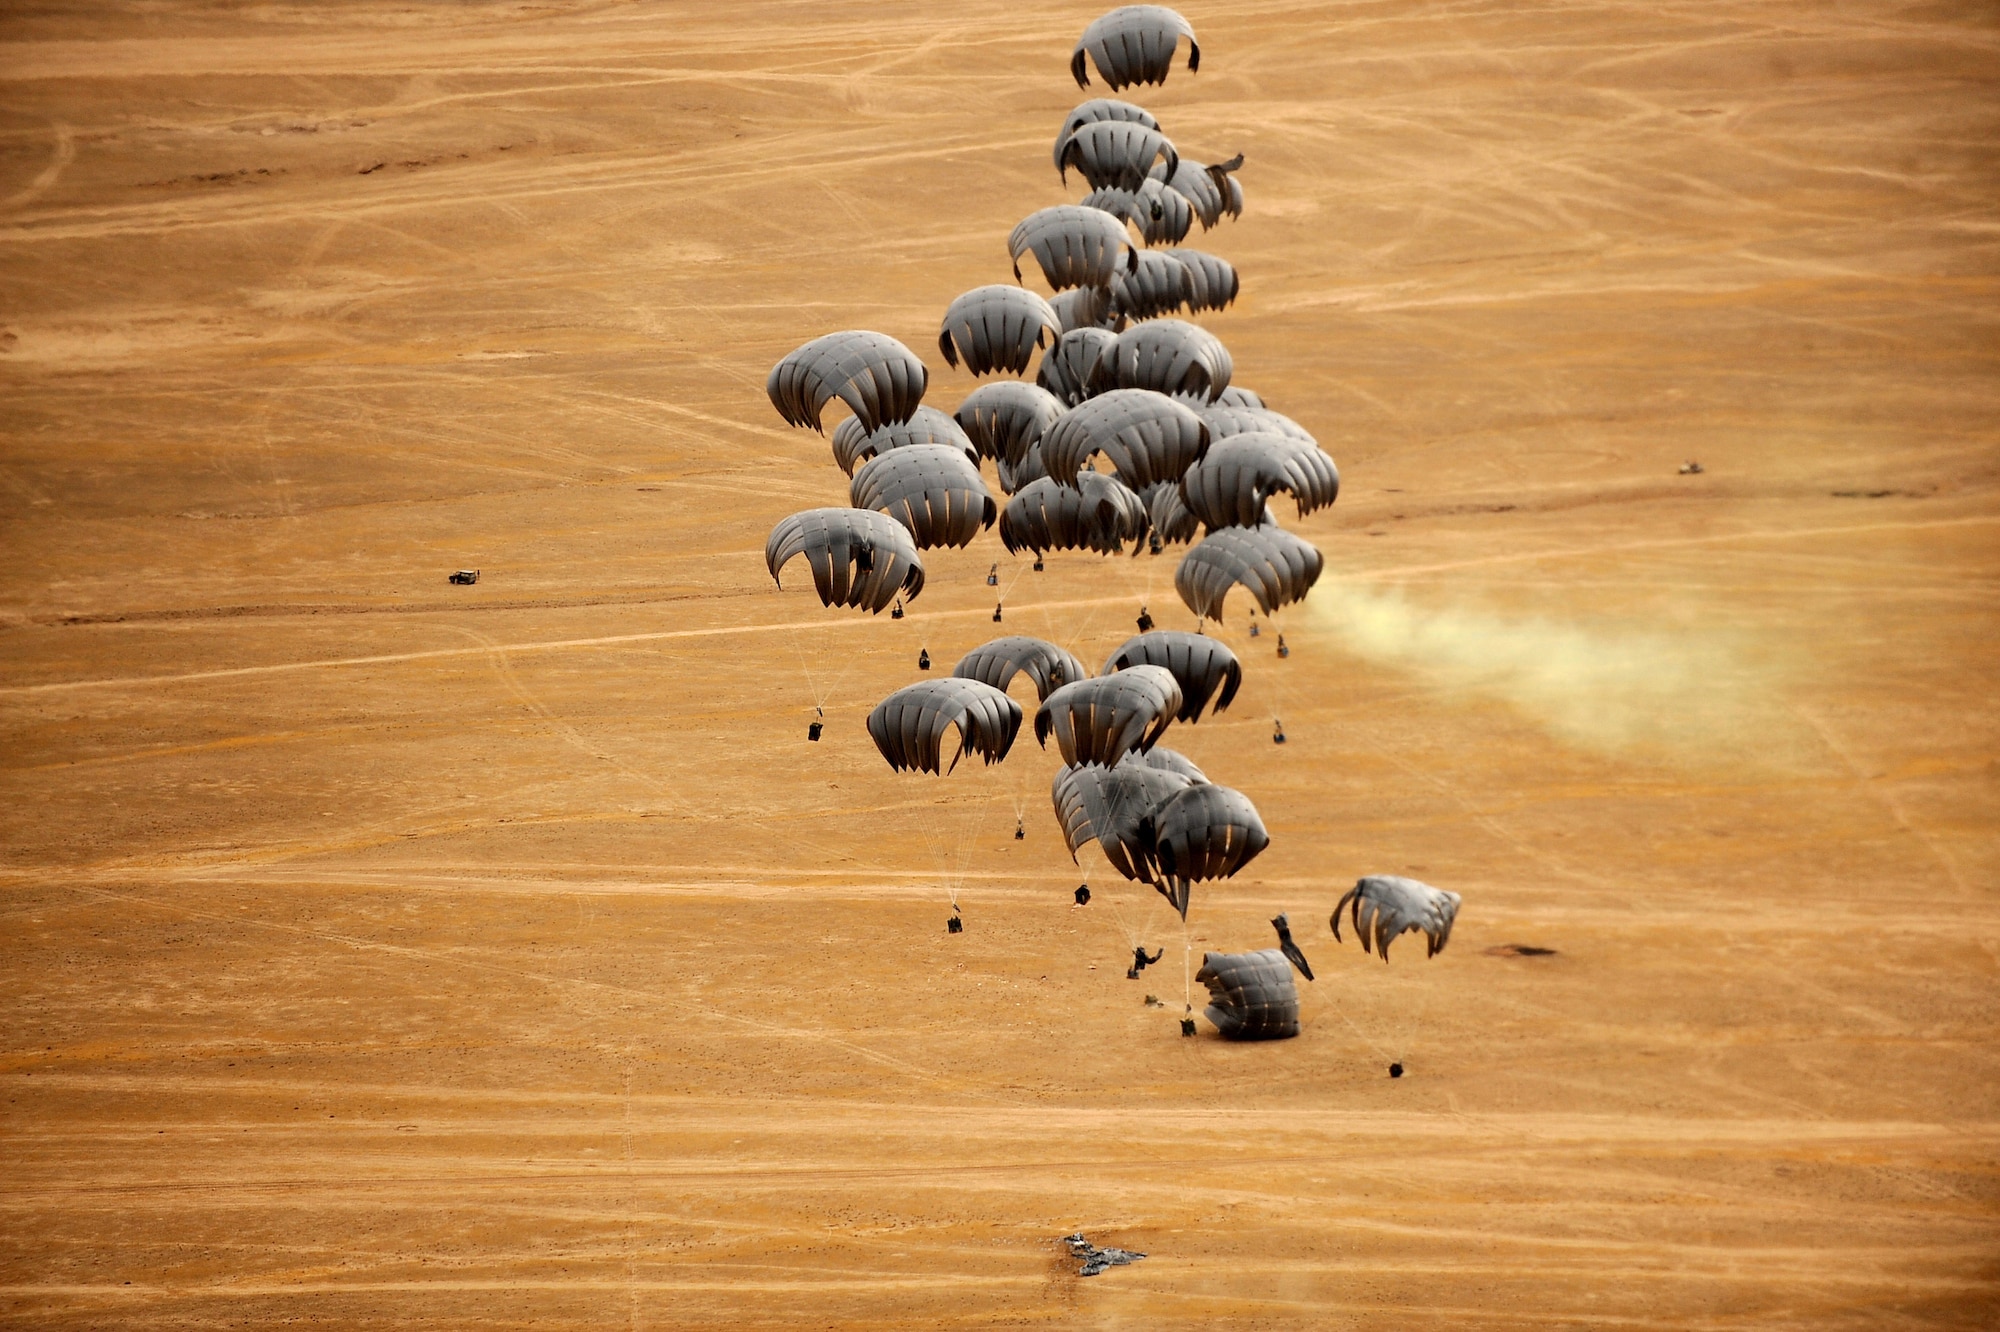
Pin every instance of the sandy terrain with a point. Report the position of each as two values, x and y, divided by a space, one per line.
383 953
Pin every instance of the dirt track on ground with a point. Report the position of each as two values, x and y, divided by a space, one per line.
393 954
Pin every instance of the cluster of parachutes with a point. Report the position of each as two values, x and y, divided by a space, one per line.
1188 457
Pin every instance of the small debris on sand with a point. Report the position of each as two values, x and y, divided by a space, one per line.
1096 1260
1691 468
1519 950
1153 1001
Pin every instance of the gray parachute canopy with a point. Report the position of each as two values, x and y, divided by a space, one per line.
1167 760
1133 44
1069 366
1076 246
853 444
1087 307
1205 832
999 661
997 328
1016 477
1092 111
1212 282
1276 567
1160 285
1006 418
1162 215
1209 189
1168 512
929 488
1237 396
1201 664
1102 720
1097 513
1168 356
880 379
859 558
1385 905
1114 806
1225 420
909 726
1251 996
1146 436
1117 154
1228 487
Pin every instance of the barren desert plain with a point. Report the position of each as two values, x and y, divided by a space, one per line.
384 953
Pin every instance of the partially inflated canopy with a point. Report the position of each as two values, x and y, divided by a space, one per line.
1251 996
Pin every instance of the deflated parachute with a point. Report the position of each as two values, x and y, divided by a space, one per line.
929 488
1146 436
859 558
1251 996
1206 832
1096 512
853 444
1076 246
880 379
1276 567
1386 905
1102 720
910 725
997 328
997 662
1168 356
1133 44
1199 663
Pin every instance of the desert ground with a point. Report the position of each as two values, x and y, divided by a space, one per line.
384 953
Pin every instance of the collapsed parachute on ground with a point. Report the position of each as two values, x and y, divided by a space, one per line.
1069 367
859 558
929 488
1076 246
1133 44
997 328
1006 418
1210 189
1162 215
1097 512
1276 567
1087 307
1206 832
997 662
1093 111
1386 905
1212 282
1117 154
1146 436
910 725
1167 356
1114 807
1103 719
1160 285
1251 996
853 444
879 379
1228 487
1201 664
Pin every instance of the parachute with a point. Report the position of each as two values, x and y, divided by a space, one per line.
859 558
1076 246
1386 905
1169 760
1069 367
1097 513
909 726
1146 436
997 328
1235 396
1167 356
1016 477
1114 806
1116 154
1228 487
854 444
880 379
1086 307
1092 111
1006 418
1168 510
1251 996
997 662
1205 832
1225 419
1282 923
1160 285
1199 663
1209 189
1162 215
929 488
1212 282
1276 567
1133 44
1103 719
